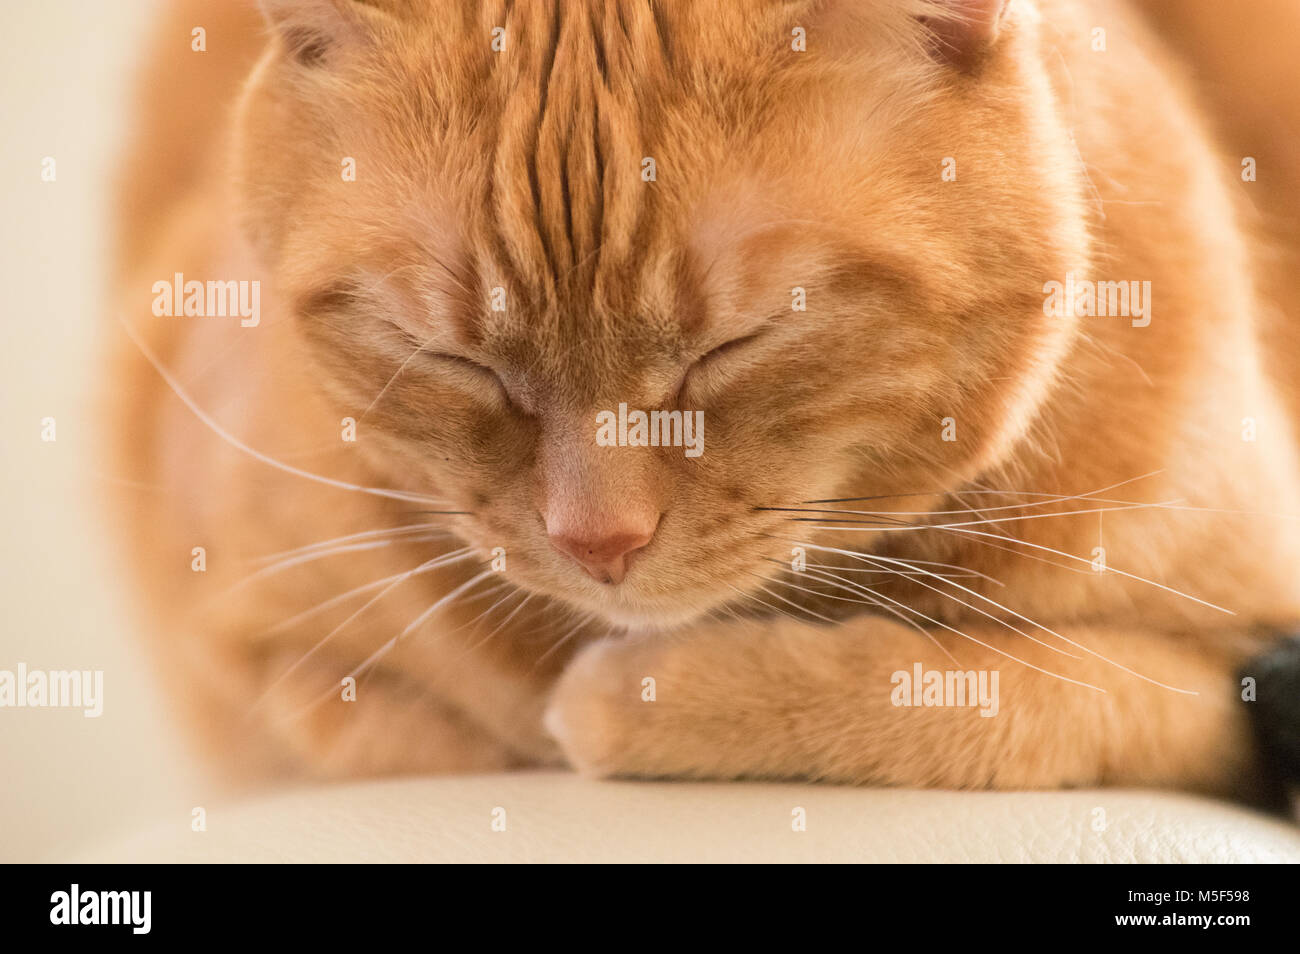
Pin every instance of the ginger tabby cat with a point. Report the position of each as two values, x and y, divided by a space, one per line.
379 532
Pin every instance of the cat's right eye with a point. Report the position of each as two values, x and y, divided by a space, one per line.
480 373
474 374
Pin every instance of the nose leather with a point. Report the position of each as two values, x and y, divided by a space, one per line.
603 552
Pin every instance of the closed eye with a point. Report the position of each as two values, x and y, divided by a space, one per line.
728 348
466 364
470 368
708 369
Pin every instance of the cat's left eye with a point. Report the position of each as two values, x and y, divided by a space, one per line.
726 349
712 363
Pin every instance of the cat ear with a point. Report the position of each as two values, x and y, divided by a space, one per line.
964 29
313 30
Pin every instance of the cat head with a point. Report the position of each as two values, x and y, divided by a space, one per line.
816 232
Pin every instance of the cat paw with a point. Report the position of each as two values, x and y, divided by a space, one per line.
596 713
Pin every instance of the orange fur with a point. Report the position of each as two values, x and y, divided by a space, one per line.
521 170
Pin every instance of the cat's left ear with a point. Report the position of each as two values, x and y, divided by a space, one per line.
315 31
964 30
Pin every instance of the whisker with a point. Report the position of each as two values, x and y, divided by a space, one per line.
1109 569
889 527
235 442
869 601
438 604
505 584
403 530
1029 556
802 609
1045 629
312 556
1005 493
402 578
396 374
766 606
472 648
985 613
369 662
893 573
583 620
333 601
1073 643
901 607
1000 652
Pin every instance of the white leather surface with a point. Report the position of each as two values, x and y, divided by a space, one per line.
560 817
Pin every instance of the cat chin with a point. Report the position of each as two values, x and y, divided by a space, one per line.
635 621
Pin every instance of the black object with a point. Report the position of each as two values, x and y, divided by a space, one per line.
1276 709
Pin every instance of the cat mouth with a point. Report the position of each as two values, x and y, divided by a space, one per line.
621 606
632 620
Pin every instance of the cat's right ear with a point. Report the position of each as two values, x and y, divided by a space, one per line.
315 31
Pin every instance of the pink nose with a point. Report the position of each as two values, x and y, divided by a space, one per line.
604 553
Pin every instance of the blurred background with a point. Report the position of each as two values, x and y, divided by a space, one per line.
67 781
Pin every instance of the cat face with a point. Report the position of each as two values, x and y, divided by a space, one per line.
828 262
